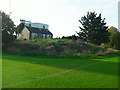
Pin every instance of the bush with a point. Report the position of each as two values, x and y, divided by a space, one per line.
13 50
59 48
104 45
30 53
67 54
106 51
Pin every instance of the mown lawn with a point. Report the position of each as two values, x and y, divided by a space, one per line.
43 72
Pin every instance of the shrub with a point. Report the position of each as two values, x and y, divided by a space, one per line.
49 50
13 50
110 51
67 54
32 53
106 51
58 48
104 45
29 46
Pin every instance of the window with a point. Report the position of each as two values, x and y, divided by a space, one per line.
50 36
43 35
47 36
34 35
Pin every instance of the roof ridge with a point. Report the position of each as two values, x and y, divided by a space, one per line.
38 30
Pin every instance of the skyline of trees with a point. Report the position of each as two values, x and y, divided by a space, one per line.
94 30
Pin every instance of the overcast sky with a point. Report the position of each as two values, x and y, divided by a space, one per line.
61 15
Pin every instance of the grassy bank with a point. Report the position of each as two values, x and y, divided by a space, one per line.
57 48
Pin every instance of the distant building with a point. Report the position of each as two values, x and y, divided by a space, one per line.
36 25
34 30
26 23
39 25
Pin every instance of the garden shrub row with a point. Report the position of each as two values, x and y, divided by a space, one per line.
59 48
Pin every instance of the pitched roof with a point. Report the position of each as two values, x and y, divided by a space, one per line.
38 30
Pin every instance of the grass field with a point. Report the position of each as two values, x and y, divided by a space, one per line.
43 72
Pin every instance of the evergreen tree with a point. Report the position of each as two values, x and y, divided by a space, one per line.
8 29
20 28
93 29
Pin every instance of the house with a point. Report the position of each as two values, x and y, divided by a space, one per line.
34 30
29 33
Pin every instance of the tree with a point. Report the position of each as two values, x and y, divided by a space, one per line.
8 29
112 30
93 29
73 37
114 37
20 28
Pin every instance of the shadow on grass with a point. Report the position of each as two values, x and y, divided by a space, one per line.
105 67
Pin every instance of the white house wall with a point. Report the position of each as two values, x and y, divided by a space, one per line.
25 34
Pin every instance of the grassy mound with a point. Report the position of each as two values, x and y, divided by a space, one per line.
57 48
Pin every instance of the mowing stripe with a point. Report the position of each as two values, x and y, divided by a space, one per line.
52 74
